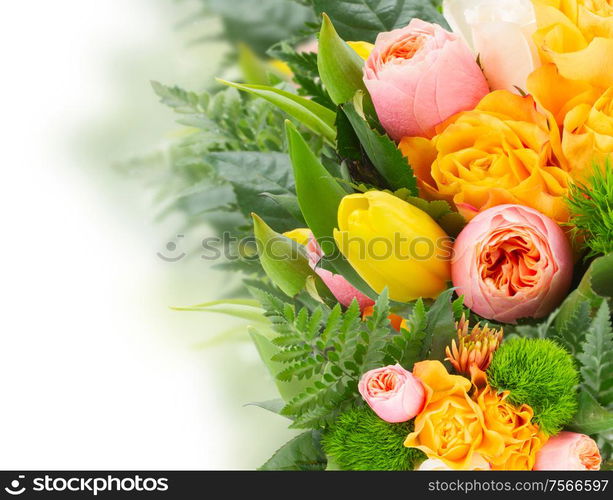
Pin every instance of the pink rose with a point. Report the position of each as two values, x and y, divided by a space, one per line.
512 262
393 393
568 451
419 76
342 290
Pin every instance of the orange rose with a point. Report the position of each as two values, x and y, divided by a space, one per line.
522 439
451 427
502 152
577 36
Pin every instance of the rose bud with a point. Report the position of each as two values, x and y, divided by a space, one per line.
393 244
393 393
568 451
512 262
342 290
419 76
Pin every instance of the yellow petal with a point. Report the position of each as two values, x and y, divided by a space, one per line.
594 64
300 235
363 49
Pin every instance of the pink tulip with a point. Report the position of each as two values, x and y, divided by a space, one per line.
568 451
419 76
512 262
393 393
342 290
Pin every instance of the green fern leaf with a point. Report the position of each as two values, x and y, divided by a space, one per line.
597 357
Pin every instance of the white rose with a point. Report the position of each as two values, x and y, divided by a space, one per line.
500 32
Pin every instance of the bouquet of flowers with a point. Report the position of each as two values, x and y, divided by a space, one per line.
431 200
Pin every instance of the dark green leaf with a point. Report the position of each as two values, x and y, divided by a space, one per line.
262 25
254 173
597 357
363 20
383 153
592 418
440 327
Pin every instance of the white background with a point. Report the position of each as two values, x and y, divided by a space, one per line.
95 370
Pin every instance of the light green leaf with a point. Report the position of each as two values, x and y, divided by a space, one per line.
266 349
272 405
382 151
314 116
319 195
227 302
363 20
252 67
304 452
340 67
284 261
248 314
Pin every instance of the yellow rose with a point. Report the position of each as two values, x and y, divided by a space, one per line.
577 36
451 427
503 151
522 439
588 135
584 113
391 243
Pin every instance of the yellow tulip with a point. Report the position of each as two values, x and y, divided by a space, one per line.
391 243
300 235
363 49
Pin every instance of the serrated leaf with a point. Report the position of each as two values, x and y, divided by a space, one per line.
440 327
597 357
592 418
304 452
258 27
570 331
382 152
